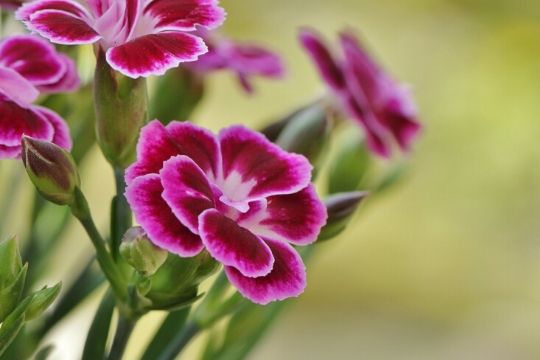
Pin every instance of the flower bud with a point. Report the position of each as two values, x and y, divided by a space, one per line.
176 95
121 109
340 208
140 253
51 169
307 132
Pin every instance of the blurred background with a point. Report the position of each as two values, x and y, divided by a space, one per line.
443 266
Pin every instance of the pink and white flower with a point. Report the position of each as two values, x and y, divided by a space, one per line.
140 37
237 195
28 66
383 108
244 59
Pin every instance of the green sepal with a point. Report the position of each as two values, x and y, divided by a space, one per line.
41 300
350 165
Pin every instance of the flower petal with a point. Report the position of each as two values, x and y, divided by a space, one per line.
62 27
26 11
154 54
16 87
329 69
186 190
157 144
10 152
69 82
198 144
296 218
154 147
157 219
16 121
287 278
61 135
33 58
233 245
254 168
185 14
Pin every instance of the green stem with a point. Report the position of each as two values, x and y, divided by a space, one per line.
120 213
184 337
81 211
121 337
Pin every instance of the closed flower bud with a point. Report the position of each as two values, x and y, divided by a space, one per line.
140 253
51 169
340 207
120 104
307 132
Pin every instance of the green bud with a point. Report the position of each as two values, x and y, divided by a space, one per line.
176 282
350 165
41 300
121 110
307 132
340 207
140 253
176 94
51 169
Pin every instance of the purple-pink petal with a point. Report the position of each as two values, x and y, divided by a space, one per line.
16 87
287 278
69 81
186 190
158 220
154 54
329 69
61 136
26 11
296 218
263 168
185 14
234 246
33 58
16 121
62 27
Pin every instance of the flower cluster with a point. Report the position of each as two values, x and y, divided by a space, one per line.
140 37
244 59
366 93
28 66
237 195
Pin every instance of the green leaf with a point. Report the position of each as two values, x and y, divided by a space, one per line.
96 340
41 300
10 262
171 326
10 294
350 165
12 325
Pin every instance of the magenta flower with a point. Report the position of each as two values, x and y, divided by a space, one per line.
383 108
140 37
29 65
237 195
246 60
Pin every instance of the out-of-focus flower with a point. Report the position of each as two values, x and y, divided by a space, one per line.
382 107
236 194
244 59
28 66
10 4
140 37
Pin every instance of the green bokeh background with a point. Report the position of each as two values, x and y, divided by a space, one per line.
444 266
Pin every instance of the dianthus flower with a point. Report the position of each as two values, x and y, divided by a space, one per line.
140 37
244 59
237 195
383 108
28 66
